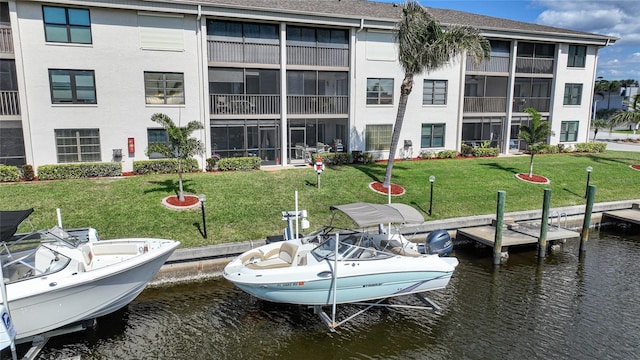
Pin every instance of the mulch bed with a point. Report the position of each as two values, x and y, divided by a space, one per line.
535 179
635 167
396 190
190 202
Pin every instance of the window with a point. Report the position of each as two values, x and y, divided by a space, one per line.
318 36
379 91
432 135
66 25
242 30
77 145
378 137
164 88
72 86
572 94
157 136
434 92
569 131
577 56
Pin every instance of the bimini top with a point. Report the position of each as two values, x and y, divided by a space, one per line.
10 220
365 214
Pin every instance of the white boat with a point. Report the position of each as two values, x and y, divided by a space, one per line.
369 265
56 278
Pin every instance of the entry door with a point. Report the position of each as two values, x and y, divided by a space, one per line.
297 144
269 145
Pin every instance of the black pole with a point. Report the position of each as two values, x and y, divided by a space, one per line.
204 221
431 200
586 190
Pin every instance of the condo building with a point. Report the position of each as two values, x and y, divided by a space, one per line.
276 79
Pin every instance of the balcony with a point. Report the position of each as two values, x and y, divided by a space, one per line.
241 104
496 64
541 104
534 66
318 104
9 102
6 41
485 104
224 51
318 56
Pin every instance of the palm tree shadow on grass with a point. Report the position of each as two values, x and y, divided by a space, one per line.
501 167
170 186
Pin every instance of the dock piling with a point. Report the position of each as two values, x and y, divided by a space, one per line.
497 245
544 224
584 234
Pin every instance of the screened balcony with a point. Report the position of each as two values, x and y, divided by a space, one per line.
527 65
318 56
541 104
318 104
6 41
226 51
9 102
244 104
498 64
485 104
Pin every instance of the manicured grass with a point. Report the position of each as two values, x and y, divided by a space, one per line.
247 205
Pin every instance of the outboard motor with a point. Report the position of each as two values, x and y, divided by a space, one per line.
438 242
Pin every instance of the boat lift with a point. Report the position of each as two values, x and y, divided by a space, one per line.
331 322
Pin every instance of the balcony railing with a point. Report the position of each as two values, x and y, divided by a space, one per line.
485 104
498 64
9 102
317 56
317 104
242 52
241 104
6 41
541 104
534 66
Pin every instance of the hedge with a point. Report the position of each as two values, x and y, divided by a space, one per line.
338 158
485 152
591 147
239 163
447 154
79 170
164 166
9 173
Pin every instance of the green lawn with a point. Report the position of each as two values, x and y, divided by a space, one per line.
247 205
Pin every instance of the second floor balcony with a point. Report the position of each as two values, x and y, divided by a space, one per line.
496 64
527 65
318 104
298 54
485 104
9 102
225 51
6 40
541 104
244 104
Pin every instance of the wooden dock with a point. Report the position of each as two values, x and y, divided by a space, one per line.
522 234
631 216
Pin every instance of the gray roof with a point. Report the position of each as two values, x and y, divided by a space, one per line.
391 12
366 214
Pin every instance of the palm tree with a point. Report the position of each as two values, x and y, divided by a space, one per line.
597 124
535 135
632 116
425 46
180 146
608 86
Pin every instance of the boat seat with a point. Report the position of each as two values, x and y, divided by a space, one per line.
258 255
396 247
116 249
286 257
368 253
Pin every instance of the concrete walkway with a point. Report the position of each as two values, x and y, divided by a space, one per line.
616 141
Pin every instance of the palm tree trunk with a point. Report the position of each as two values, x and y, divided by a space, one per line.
405 90
531 166
180 190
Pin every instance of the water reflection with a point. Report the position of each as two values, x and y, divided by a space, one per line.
560 308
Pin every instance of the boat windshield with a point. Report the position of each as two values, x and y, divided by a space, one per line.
356 246
27 263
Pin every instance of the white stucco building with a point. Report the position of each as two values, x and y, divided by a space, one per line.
80 80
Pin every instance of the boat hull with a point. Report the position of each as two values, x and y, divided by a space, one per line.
357 281
58 300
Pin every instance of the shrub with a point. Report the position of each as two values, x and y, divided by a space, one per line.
79 170
339 158
9 173
426 154
466 150
485 152
163 166
212 162
27 172
550 149
591 147
239 163
447 154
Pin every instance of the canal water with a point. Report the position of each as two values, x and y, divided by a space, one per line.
563 308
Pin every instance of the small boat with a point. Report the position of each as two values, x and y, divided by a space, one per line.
57 278
337 265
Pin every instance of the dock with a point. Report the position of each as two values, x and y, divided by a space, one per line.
630 216
513 234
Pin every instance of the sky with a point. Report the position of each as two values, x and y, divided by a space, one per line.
617 18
